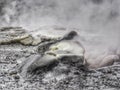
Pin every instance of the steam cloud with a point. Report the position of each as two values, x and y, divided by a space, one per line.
98 20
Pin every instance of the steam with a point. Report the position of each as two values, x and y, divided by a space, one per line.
98 20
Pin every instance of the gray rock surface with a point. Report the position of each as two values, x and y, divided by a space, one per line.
19 35
14 35
64 76
63 49
51 66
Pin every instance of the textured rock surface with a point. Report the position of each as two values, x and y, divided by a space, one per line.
36 62
63 49
13 35
19 35
62 77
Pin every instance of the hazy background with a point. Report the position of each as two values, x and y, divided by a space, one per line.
98 20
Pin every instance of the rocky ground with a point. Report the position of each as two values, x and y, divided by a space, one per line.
63 75
58 78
